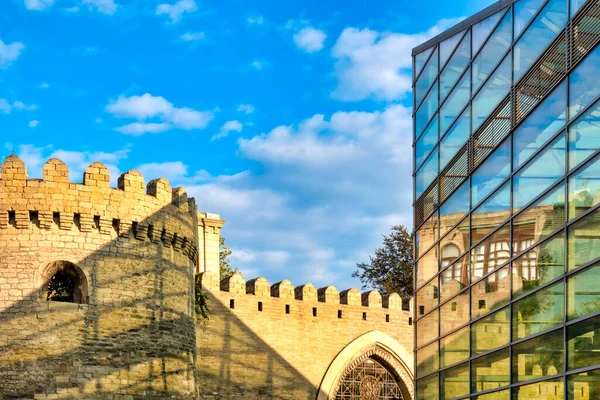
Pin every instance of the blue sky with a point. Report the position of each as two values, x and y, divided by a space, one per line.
290 119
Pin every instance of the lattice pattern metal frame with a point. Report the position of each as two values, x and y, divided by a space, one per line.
369 380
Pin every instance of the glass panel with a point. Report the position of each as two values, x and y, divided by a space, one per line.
544 170
492 93
455 103
538 357
490 332
491 371
426 142
491 173
427 388
427 266
454 348
575 6
539 311
448 46
426 111
525 10
539 126
584 241
539 265
584 386
455 208
456 138
552 389
457 64
547 25
454 278
427 298
427 328
427 77
583 292
427 359
540 219
455 243
427 173
584 137
455 313
584 188
426 235
482 30
501 395
420 60
583 341
455 381
492 52
490 214
584 88
490 293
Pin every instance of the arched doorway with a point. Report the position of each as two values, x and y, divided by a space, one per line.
64 281
369 380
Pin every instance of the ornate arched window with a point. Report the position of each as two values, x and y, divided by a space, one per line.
64 281
369 380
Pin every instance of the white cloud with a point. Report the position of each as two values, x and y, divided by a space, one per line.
7 107
310 39
99 120
34 123
38 5
147 107
175 11
246 108
376 64
257 65
229 126
9 53
192 36
73 9
19 105
257 20
108 7
44 85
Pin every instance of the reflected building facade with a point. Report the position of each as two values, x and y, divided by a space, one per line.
507 204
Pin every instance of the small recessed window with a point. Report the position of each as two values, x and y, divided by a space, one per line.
364 316
287 308
340 314
421 310
260 306
232 303
409 320
481 304
453 306
387 317
314 311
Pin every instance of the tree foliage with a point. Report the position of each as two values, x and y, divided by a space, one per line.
390 270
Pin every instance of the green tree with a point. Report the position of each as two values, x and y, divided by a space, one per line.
225 268
390 270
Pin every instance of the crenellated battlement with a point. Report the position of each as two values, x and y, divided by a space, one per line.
154 212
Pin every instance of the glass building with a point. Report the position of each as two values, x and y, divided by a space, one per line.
507 204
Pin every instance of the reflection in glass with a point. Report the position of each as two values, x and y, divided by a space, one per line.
426 142
585 385
426 111
492 52
539 311
482 30
575 6
427 298
448 46
455 381
492 93
538 357
583 81
491 371
545 169
539 126
501 395
427 235
542 31
427 388
454 313
454 348
584 241
420 59
490 293
457 64
427 266
427 173
427 359
552 389
539 265
454 278
490 332
541 219
584 139
455 103
584 188
454 243
427 328
456 138
455 208
490 214
525 10
427 77
583 294
583 344
491 173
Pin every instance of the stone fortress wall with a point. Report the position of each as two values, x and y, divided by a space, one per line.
130 331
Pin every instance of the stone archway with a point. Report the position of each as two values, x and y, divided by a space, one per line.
376 348
66 277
